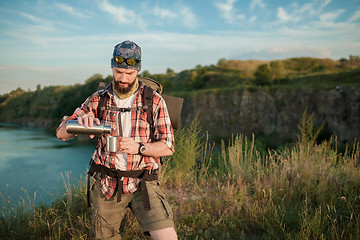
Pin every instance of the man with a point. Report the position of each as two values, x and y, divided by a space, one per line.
127 178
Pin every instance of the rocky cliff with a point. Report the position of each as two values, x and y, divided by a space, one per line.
224 113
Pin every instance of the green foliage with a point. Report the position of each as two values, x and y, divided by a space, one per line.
306 64
278 69
170 71
146 73
308 132
343 79
352 62
221 62
263 75
181 166
318 68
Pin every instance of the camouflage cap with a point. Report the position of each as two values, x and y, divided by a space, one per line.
127 49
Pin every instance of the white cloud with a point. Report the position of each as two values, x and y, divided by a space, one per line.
253 19
331 16
30 28
32 17
274 53
183 15
312 15
295 13
257 3
321 52
228 11
123 15
325 3
308 9
282 15
355 17
164 13
188 18
311 9
70 10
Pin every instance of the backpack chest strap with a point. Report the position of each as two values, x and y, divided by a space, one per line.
117 109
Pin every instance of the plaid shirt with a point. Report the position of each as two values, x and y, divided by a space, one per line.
140 132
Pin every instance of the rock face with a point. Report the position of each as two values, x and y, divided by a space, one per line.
222 114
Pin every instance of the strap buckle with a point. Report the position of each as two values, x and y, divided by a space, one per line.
153 171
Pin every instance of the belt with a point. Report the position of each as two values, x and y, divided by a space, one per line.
144 175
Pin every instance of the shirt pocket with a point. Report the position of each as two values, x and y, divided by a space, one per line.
143 125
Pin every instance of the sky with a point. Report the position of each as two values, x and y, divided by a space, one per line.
54 42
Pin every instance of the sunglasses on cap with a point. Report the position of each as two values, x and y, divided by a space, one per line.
128 61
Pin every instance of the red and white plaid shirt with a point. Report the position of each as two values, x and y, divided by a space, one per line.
140 132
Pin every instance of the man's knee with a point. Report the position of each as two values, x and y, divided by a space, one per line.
164 234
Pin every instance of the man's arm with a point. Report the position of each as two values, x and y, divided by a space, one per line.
155 149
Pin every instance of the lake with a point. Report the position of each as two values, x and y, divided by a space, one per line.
33 161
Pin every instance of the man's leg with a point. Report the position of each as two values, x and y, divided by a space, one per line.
106 215
158 221
164 234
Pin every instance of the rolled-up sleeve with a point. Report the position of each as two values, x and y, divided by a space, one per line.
162 123
87 109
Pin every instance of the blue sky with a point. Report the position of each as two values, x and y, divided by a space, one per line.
58 42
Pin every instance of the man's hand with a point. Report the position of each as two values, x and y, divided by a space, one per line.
88 122
128 145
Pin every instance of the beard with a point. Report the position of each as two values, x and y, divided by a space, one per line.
124 90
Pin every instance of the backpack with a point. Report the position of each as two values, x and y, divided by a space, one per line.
174 104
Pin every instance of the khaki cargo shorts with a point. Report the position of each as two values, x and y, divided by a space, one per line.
107 216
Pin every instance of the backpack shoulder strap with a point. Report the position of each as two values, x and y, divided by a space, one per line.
148 102
103 100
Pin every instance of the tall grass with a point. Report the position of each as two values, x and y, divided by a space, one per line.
180 167
307 191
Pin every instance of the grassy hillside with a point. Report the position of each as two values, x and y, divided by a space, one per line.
234 73
290 66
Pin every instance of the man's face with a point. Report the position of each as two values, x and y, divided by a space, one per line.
124 79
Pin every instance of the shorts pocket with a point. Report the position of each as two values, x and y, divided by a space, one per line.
164 203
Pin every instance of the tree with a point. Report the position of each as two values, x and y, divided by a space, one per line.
278 69
343 62
146 73
95 77
263 75
221 62
354 60
170 71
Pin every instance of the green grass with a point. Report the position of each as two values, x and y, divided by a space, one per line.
306 191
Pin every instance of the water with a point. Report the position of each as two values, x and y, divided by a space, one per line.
33 161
